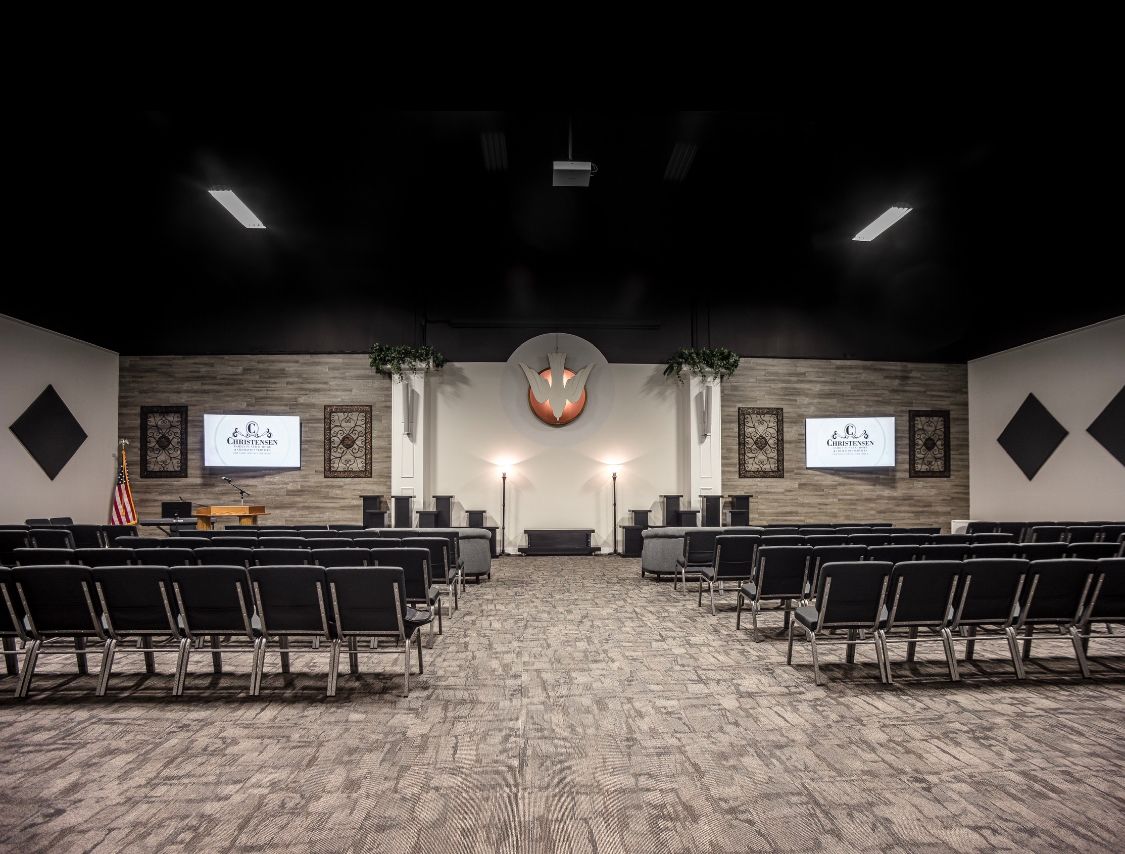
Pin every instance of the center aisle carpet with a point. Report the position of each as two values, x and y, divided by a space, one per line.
571 706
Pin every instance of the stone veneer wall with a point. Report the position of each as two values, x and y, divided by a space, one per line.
280 385
807 388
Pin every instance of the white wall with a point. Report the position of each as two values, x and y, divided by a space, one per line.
85 377
1075 376
557 477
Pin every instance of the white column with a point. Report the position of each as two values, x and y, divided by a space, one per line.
408 427
704 441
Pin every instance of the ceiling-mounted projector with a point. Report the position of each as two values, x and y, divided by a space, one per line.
572 173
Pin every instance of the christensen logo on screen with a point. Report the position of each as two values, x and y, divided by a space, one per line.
850 438
251 436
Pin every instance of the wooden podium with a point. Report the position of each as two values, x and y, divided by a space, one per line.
247 514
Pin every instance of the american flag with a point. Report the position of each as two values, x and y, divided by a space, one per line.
124 511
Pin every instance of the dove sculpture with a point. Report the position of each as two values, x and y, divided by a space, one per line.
558 391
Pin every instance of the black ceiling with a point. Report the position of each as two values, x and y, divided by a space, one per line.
387 226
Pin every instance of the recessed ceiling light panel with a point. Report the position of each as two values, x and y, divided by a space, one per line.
237 208
884 221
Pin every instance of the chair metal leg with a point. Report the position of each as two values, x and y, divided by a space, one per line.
849 655
181 667
456 597
406 670
950 654
333 667
971 645
283 643
11 662
30 656
758 636
789 653
699 600
418 637
258 663
1027 643
216 657
711 590
882 657
83 667
1079 652
353 654
738 611
439 628
107 665
1014 649
150 658
911 647
815 658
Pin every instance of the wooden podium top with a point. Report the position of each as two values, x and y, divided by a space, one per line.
232 510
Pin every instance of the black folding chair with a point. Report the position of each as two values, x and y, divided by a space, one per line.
992 538
370 602
1043 551
443 572
699 551
191 543
420 589
165 557
826 539
224 556
734 561
893 553
950 539
1083 533
826 554
270 533
131 541
850 595
774 540
104 557
340 557
52 606
982 528
869 539
944 551
783 575
282 557
287 542
923 597
292 602
1001 550
1048 534
51 538
1057 597
908 539
44 557
328 542
86 536
1106 606
216 601
1091 551
990 604
233 542
136 603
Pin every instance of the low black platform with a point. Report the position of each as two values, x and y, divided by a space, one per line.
559 541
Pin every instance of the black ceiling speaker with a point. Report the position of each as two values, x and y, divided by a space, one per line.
51 434
1031 436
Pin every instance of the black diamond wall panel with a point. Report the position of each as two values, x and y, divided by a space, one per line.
1031 436
49 431
1109 427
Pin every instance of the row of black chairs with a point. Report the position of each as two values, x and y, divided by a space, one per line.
1071 532
73 536
699 552
63 609
843 529
978 599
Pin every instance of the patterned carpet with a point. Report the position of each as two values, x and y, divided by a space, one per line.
573 707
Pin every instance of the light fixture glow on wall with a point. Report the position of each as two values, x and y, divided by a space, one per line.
882 222
236 207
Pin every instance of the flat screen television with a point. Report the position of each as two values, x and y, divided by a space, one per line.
252 441
850 443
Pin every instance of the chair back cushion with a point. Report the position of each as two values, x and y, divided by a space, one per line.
56 598
210 596
925 591
993 584
282 557
164 557
784 571
287 598
364 598
224 556
135 596
1061 590
340 556
856 592
734 555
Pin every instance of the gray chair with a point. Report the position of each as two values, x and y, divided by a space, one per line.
850 596
292 602
734 561
923 597
989 604
370 602
699 552
1057 597
783 575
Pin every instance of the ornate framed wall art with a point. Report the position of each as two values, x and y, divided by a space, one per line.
929 442
164 441
761 442
347 441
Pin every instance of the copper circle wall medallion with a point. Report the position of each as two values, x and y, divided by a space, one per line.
543 410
